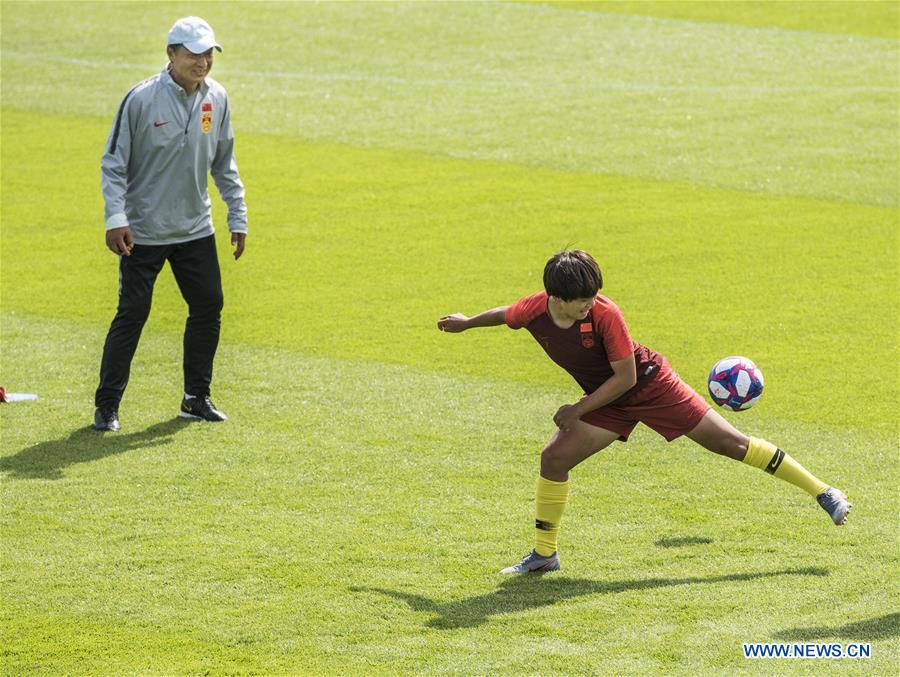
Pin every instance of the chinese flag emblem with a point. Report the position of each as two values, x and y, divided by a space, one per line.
206 117
587 335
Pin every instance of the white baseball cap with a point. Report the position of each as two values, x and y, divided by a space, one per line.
194 33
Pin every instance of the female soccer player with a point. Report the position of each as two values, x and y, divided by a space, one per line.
624 383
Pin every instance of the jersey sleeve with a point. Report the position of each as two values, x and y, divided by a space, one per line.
523 311
224 171
114 163
610 325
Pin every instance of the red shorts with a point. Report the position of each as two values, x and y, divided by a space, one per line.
667 404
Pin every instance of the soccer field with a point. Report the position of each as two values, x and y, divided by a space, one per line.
735 169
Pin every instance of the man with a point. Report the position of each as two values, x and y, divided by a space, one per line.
169 133
624 383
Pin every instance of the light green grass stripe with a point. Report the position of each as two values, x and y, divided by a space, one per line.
357 252
876 18
771 111
350 518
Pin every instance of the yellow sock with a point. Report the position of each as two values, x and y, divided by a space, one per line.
766 456
550 501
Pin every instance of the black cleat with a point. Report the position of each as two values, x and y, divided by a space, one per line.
201 408
106 418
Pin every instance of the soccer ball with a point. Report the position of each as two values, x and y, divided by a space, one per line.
736 383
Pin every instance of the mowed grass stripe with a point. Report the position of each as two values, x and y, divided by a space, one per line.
356 252
782 112
352 516
875 18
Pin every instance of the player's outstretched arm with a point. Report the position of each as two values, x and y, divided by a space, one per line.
458 322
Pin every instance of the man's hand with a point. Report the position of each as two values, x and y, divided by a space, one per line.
565 417
120 241
454 323
238 241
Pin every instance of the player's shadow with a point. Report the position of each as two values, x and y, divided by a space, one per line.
521 593
46 460
882 627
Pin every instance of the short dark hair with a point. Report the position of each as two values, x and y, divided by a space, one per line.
571 275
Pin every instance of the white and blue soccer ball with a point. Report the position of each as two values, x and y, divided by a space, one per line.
735 382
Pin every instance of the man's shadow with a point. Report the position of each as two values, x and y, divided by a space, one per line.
520 593
46 460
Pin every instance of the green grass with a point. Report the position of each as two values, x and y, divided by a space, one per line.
874 18
338 536
336 241
404 161
775 111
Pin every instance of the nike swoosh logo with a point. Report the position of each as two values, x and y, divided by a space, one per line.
160 124
543 566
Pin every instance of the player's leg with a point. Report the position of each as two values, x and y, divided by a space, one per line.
713 432
718 435
137 275
566 449
563 452
195 265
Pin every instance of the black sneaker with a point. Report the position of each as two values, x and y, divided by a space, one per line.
201 408
106 418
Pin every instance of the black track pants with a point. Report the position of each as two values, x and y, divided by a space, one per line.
196 269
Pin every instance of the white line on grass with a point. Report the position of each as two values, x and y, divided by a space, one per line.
649 87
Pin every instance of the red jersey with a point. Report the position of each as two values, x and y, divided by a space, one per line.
586 349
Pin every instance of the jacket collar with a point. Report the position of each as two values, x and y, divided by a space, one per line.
166 78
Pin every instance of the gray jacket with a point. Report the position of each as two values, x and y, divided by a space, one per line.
159 153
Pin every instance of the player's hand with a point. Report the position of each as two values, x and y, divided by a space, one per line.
454 323
238 241
120 241
565 417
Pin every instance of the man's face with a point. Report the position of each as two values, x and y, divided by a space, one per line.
189 68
